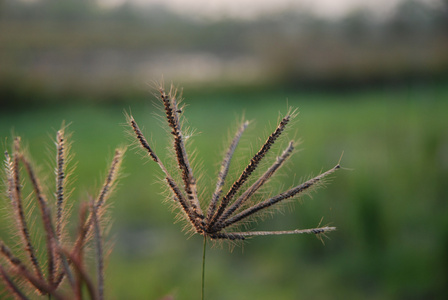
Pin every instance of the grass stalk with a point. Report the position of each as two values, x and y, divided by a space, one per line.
203 266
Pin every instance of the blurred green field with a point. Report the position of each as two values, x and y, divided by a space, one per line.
391 208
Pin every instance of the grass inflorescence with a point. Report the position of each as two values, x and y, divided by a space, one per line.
226 211
62 272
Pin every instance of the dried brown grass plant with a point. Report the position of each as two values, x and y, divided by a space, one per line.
226 211
63 273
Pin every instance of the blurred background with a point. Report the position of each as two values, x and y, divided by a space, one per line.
370 79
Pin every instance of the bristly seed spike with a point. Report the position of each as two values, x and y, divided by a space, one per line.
170 104
16 272
255 160
225 211
276 199
252 189
224 170
185 205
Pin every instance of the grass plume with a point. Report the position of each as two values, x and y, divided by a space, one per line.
224 211
24 277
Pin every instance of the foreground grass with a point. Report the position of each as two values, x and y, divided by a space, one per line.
390 210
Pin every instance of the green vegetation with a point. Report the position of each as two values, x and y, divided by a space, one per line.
390 210
53 50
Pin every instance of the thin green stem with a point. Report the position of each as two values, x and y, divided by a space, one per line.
203 266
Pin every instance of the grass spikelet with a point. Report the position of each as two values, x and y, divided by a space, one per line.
172 115
105 192
256 185
17 205
60 171
283 196
173 187
46 219
253 164
224 171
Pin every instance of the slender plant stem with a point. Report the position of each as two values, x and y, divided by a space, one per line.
203 266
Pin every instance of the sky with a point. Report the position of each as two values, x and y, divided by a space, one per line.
249 9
